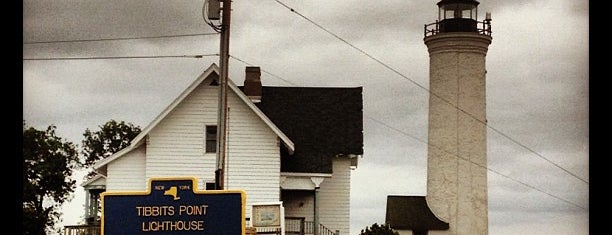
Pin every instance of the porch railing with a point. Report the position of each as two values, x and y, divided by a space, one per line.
82 230
481 27
293 226
325 231
298 226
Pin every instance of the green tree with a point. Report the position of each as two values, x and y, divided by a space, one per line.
376 229
109 139
47 178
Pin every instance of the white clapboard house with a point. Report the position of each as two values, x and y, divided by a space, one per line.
297 145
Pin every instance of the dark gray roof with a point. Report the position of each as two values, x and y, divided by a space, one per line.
322 122
471 2
412 213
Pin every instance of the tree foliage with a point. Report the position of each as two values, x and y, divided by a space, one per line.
376 229
47 182
109 139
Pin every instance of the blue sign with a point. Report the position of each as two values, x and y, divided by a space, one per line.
173 206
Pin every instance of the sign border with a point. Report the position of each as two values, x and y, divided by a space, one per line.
195 190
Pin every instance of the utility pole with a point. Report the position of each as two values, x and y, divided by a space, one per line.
223 78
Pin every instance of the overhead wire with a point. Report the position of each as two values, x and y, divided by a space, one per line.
442 149
123 57
119 38
431 93
276 76
475 163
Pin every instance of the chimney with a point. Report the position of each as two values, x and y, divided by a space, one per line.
252 83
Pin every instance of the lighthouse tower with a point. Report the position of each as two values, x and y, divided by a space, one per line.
456 200
457 154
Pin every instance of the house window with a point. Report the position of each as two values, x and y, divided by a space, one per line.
211 139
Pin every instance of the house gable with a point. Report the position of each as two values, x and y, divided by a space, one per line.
209 75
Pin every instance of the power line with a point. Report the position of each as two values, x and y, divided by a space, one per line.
440 148
430 92
477 164
339 38
123 57
120 38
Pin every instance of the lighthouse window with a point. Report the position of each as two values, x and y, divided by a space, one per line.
466 11
467 14
449 14
458 11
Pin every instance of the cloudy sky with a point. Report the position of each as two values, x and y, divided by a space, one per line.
537 87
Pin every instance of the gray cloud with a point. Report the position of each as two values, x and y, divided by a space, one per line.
537 85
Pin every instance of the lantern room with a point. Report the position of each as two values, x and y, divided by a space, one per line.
458 15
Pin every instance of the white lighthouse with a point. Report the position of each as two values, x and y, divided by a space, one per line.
457 155
456 200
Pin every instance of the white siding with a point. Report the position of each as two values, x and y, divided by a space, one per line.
176 147
128 172
253 159
334 197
